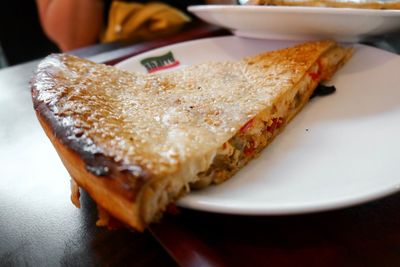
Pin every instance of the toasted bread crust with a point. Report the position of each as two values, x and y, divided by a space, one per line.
260 131
135 142
106 192
96 162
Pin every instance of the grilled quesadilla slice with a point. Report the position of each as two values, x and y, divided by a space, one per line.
137 142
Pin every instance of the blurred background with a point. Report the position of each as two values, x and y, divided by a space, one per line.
21 36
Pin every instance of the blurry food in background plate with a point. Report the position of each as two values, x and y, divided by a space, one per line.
367 4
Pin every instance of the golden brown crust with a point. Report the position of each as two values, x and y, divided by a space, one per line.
133 128
136 141
51 79
260 131
105 192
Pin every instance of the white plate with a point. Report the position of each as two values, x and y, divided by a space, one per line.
300 23
341 150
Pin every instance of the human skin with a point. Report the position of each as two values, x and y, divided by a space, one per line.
71 23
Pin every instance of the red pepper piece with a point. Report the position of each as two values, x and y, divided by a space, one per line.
279 123
271 128
247 126
276 123
249 150
315 75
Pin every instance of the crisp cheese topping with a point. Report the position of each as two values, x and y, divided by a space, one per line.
160 121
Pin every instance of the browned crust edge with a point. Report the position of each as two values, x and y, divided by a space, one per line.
111 190
98 164
104 191
108 182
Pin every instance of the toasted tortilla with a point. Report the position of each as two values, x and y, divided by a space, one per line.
137 142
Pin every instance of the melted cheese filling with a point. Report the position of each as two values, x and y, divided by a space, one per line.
258 132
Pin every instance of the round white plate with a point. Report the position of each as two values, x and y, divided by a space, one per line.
300 23
341 150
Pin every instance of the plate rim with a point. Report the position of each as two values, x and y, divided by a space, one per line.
293 209
295 9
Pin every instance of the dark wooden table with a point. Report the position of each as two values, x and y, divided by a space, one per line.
40 227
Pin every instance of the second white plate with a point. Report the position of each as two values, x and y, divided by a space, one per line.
341 150
300 23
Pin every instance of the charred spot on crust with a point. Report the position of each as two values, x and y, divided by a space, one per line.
323 90
98 170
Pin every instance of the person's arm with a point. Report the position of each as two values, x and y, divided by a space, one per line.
71 23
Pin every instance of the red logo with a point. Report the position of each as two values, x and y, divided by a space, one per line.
153 64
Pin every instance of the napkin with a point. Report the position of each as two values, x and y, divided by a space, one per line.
130 22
